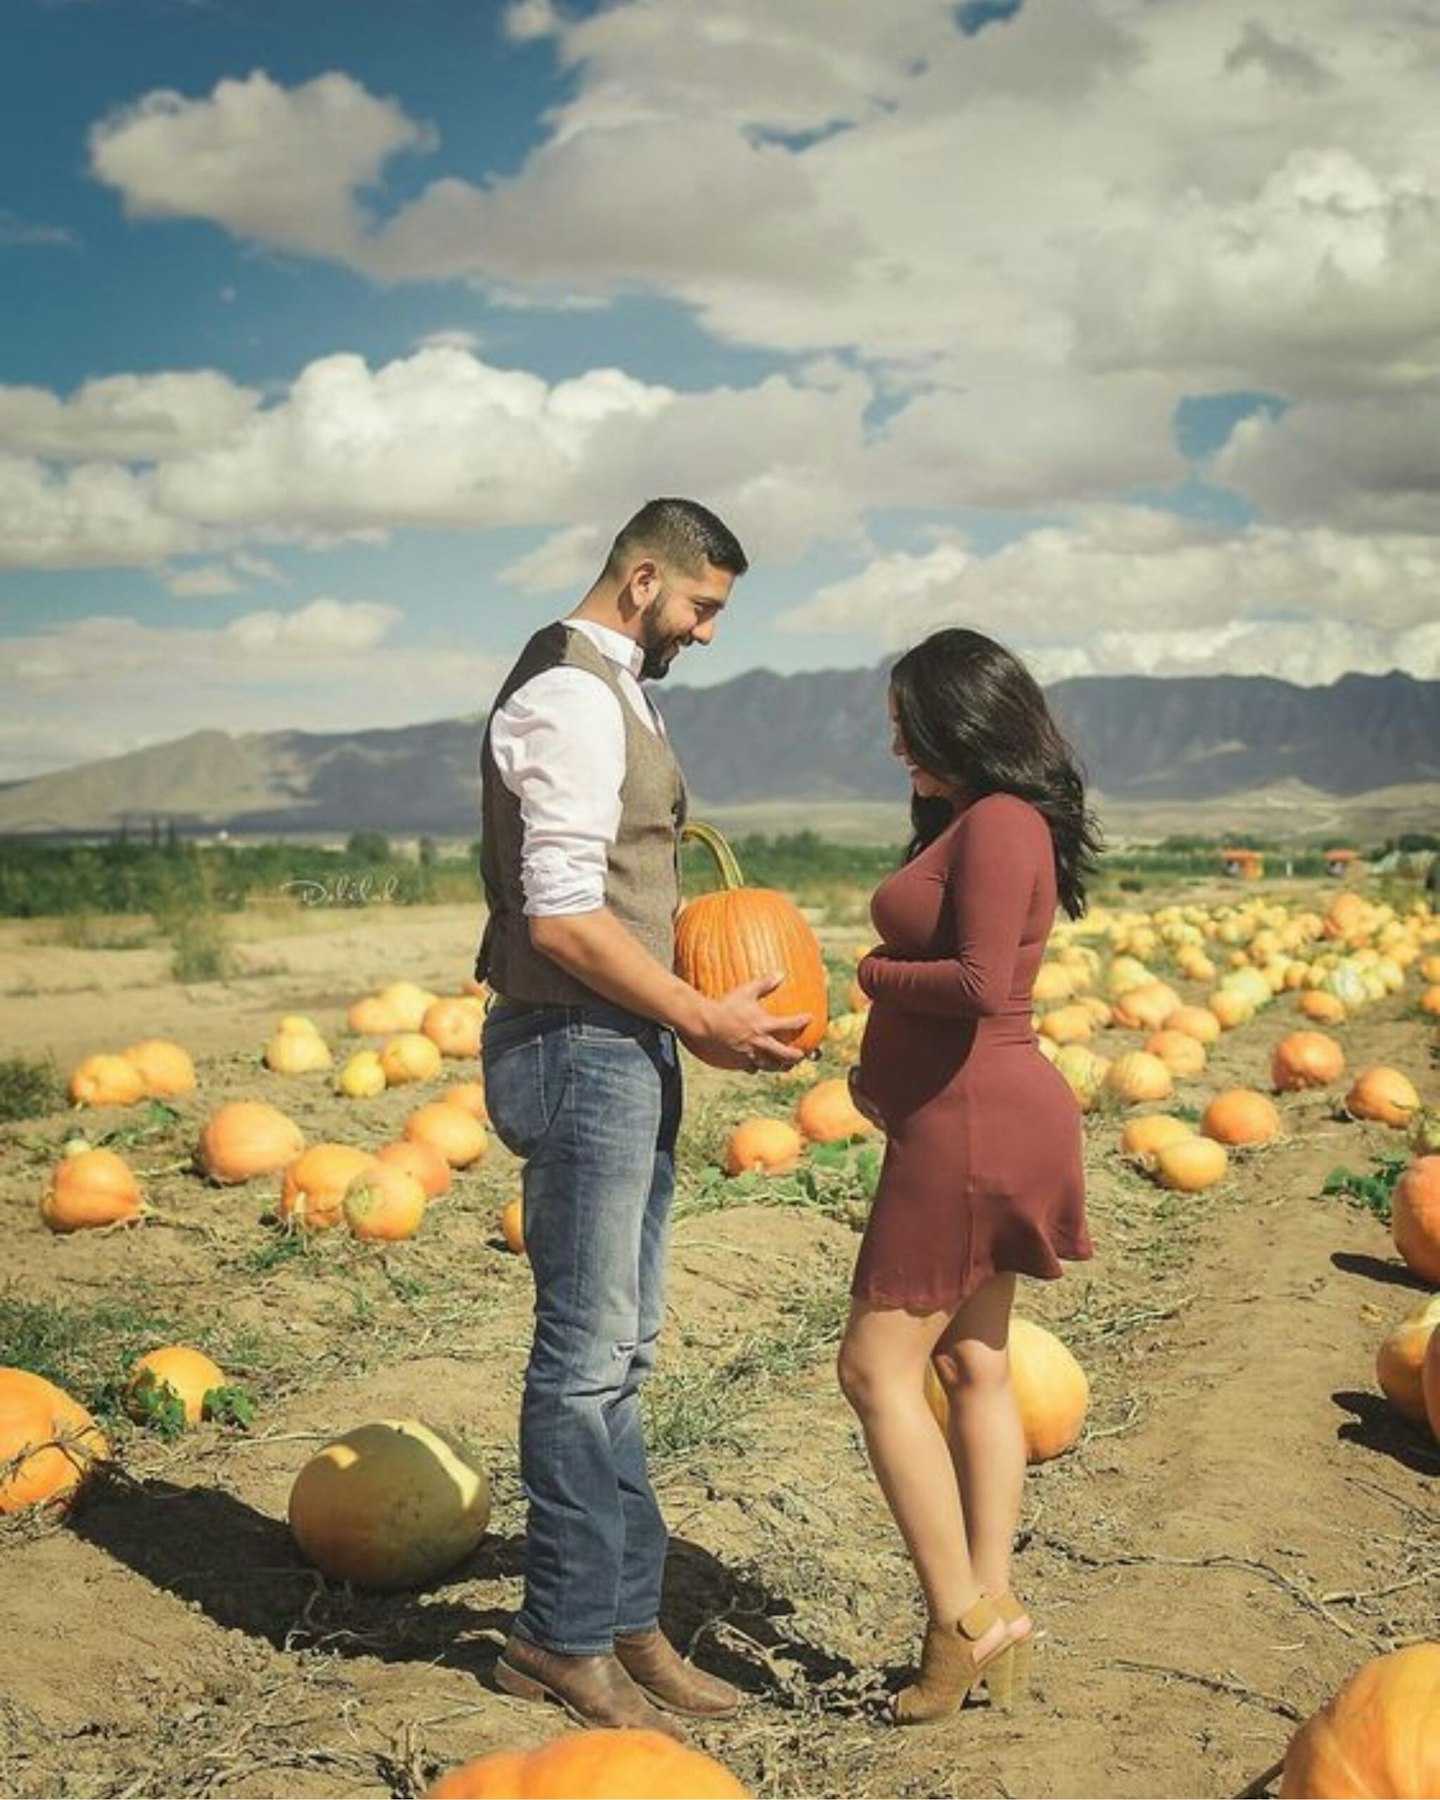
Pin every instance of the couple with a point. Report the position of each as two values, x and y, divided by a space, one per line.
582 805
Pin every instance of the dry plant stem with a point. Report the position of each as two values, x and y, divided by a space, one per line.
1218 1684
1220 1560
1261 1784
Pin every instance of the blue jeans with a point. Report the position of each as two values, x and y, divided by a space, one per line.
590 1097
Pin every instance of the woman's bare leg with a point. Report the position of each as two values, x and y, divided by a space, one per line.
985 1438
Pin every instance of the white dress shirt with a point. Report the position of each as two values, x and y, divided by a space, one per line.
559 745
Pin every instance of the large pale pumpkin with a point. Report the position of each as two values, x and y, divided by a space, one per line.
1378 1735
613 1764
389 1505
739 933
1051 1389
48 1442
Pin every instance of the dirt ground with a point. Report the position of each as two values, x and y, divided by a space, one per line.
1243 1522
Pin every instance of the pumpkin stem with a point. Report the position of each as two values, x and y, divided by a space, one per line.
695 830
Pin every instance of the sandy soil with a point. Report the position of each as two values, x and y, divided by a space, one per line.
1243 1522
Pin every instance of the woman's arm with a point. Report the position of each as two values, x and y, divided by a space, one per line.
995 862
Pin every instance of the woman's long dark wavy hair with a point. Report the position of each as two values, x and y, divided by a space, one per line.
970 713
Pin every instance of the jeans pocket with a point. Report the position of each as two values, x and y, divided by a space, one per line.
525 1083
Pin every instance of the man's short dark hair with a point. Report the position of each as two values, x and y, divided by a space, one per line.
681 532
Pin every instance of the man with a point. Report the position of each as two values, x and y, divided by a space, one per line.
583 801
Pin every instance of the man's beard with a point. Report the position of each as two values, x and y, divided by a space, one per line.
656 662
660 650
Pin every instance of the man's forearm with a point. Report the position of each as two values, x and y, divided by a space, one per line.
597 949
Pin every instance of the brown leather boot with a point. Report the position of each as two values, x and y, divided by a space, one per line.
654 1664
594 1690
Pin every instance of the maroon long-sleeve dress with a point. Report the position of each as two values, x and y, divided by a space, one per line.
982 1166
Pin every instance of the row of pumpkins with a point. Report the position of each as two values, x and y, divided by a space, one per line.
397 1503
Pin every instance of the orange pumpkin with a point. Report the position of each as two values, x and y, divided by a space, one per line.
1430 1384
188 1374
763 1146
370 1016
105 1080
247 1138
614 1764
384 1204
453 1026
1195 1021
408 1002
512 1225
1138 1076
1181 1053
1305 1059
313 1195
1376 1736
458 1135
165 1068
1320 1007
1142 1137
410 1057
826 1114
1383 1095
1051 1390
1415 1217
1146 1006
91 1188
470 1095
1067 1025
423 1161
48 1442
1400 1360
739 933
1241 1116
1190 1165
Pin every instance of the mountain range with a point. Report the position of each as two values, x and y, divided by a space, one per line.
819 737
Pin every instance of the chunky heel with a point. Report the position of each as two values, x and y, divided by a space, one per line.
1000 1677
1017 1677
950 1666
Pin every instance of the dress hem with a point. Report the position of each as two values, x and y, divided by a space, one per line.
950 1299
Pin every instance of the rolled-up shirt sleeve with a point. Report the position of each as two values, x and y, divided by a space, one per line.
559 746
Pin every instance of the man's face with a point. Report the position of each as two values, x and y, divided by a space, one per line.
682 609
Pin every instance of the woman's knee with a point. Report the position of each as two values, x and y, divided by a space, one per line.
967 1367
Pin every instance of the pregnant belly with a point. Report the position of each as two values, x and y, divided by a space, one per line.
906 1059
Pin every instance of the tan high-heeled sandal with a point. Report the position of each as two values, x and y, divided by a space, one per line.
950 1667
1007 1679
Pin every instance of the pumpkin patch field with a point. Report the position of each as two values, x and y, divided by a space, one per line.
264 1307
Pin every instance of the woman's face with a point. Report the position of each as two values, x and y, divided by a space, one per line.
927 786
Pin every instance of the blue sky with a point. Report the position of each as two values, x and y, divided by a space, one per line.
340 338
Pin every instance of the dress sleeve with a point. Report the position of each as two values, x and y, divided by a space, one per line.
993 870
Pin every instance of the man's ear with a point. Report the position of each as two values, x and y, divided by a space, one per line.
645 580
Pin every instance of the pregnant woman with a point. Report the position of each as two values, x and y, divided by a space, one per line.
982 1178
